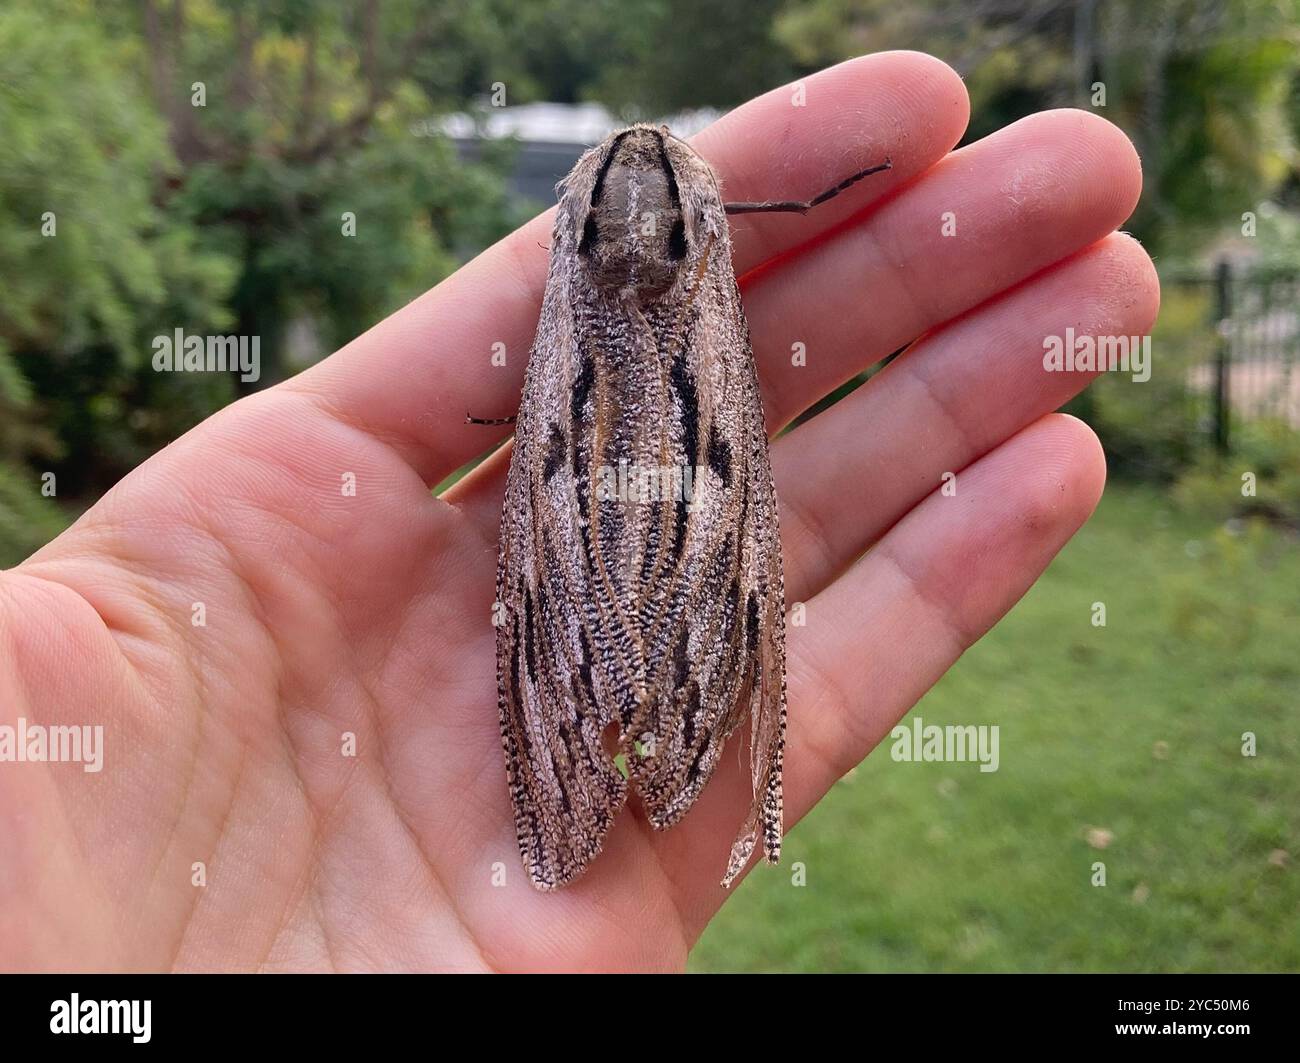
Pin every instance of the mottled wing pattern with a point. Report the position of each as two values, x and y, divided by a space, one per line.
643 617
765 649
564 787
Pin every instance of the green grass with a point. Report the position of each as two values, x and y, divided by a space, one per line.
1134 728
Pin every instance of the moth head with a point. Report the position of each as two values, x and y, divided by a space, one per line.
633 233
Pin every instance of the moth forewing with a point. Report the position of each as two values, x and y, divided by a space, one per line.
643 621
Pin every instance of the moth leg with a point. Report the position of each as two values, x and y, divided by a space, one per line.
471 419
803 206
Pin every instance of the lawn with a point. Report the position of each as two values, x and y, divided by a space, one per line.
1119 744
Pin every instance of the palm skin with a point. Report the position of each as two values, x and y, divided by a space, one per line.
330 613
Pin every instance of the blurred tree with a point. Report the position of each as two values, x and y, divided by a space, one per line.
1204 90
562 51
94 264
1204 87
691 55
309 155
643 58
218 167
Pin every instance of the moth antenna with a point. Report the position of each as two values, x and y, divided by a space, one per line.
803 206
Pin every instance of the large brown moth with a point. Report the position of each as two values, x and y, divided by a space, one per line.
641 603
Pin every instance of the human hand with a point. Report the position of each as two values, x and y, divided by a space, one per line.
328 613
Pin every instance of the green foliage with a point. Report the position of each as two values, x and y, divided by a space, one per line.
692 55
95 265
195 166
306 162
88 256
1276 247
564 51
1261 477
1205 91
1132 731
1208 110
28 520
1152 429
643 58
77 139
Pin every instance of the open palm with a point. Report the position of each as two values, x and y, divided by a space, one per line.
339 597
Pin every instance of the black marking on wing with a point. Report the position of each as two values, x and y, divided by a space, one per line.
582 386
720 456
556 447
688 399
692 713
751 622
515 691
683 517
584 669
530 621
694 773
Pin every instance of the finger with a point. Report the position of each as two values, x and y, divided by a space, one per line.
880 636
412 378
986 218
950 399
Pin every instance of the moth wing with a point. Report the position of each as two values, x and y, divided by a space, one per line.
766 685
721 654
564 787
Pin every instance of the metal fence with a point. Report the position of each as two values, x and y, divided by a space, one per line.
1256 323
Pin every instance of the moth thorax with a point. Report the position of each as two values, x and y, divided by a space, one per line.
634 235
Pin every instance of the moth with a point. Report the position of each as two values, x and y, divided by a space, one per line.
640 598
